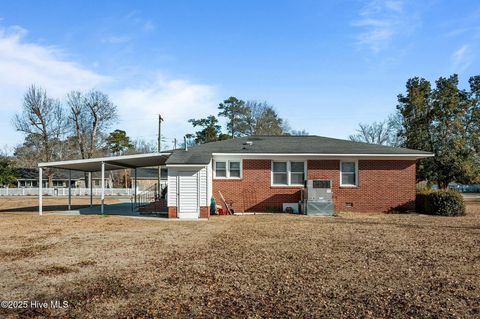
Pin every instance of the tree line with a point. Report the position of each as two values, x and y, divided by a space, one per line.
70 129
243 118
77 127
443 120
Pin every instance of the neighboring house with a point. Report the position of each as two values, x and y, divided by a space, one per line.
147 177
28 178
260 173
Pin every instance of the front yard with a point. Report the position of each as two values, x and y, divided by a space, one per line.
354 265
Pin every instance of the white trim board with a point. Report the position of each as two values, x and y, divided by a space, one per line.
307 156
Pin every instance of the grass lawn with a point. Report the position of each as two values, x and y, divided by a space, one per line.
353 265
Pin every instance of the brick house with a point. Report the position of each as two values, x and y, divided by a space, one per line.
268 173
261 173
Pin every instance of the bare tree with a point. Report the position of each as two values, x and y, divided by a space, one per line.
42 121
262 119
91 114
382 133
141 146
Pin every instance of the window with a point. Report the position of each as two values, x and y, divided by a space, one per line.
348 173
228 169
234 169
280 173
288 173
221 169
297 173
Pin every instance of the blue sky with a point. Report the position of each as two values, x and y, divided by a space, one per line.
325 66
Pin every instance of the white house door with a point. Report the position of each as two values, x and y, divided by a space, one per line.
188 194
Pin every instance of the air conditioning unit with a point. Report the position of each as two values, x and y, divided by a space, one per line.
291 208
318 197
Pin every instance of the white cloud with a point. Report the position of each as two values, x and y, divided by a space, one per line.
380 22
176 100
23 63
461 59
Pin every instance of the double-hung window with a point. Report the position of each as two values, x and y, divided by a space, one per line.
280 173
286 173
348 173
228 169
234 169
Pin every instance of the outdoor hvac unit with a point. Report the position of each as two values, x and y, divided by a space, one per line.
318 197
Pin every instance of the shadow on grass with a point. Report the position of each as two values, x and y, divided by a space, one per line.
405 225
46 208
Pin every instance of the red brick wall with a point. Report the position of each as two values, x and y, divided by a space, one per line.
204 212
172 212
383 185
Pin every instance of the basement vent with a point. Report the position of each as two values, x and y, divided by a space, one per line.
349 204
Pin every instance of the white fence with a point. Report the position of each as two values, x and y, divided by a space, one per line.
64 191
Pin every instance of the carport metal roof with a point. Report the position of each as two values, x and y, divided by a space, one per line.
101 164
111 163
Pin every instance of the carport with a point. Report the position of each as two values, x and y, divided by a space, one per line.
100 165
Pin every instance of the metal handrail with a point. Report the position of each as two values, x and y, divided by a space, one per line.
147 196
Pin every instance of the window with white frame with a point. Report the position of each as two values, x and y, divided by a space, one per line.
234 169
288 173
297 173
228 169
348 173
280 173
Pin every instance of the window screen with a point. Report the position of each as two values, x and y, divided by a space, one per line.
280 173
234 169
348 170
297 173
221 169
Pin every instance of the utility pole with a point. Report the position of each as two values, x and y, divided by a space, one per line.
160 120
175 143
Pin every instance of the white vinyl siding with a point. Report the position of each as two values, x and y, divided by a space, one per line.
188 194
172 188
349 173
288 173
203 189
188 188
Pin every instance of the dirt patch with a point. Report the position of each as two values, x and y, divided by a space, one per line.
353 265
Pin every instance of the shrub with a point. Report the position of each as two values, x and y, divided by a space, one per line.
421 202
446 203
442 202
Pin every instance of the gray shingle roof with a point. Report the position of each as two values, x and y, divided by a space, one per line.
201 154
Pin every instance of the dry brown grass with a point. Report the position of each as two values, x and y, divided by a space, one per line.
354 265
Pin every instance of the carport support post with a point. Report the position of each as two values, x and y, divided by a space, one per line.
91 188
103 187
135 190
40 191
69 189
